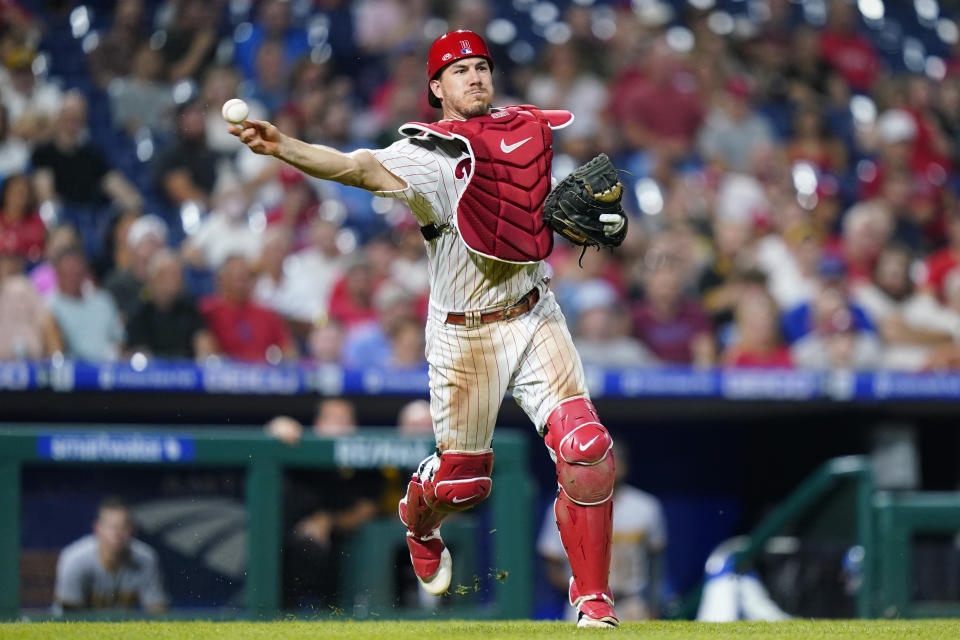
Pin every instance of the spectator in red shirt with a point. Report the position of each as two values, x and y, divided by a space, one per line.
942 262
850 53
242 329
20 225
298 206
671 324
351 301
661 109
758 343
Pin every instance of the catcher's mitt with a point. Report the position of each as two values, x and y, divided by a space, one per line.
585 206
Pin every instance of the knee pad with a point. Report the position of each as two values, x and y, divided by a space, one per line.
582 449
456 480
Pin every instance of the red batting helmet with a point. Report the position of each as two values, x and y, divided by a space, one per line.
449 48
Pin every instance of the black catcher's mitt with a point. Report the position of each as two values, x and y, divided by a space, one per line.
585 206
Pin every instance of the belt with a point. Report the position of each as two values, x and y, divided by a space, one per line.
518 308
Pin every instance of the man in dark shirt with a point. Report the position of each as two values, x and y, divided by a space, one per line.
72 171
319 513
186 171
167 324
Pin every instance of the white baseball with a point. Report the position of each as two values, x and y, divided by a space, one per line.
235 110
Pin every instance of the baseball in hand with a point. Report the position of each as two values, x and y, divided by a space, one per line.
235 110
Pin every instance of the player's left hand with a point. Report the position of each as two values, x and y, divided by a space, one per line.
612 223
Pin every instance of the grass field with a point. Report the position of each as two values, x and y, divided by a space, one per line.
465 630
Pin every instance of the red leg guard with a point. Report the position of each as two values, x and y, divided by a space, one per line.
461 480
581 447
586 533
423 531
452 481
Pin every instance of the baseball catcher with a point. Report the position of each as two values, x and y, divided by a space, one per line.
478 183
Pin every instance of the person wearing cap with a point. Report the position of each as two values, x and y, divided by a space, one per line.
31 102
146 235
830 291
476 181
836 342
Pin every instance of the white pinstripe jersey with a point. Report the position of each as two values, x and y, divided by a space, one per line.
460 280
471 368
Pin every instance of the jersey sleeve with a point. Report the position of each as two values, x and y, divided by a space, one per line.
419 167
68 588
151 593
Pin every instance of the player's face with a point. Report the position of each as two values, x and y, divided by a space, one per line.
114 530
466 88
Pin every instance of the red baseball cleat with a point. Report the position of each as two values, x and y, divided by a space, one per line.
431 562
596 610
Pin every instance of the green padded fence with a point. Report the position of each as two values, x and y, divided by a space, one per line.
883 523
899 518
264 461
808 494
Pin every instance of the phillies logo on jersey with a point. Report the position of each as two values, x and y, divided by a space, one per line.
463 169
465 47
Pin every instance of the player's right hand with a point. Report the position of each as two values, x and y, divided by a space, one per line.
261 136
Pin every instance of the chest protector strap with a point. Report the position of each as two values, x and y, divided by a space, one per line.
500 212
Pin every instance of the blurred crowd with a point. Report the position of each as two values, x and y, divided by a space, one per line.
791 174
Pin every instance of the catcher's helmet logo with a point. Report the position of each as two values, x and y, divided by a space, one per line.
446 57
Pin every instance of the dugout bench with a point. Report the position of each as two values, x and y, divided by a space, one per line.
264 460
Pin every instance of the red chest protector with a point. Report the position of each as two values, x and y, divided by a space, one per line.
500 213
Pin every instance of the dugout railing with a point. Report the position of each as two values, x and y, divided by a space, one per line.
264 460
